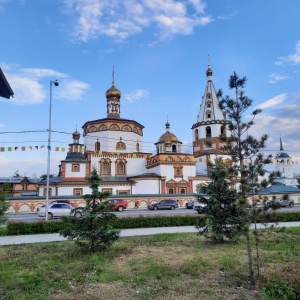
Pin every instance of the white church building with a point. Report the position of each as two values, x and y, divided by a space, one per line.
114 146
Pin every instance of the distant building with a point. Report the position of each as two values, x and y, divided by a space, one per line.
285 166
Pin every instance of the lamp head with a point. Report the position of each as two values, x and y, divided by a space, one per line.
56 83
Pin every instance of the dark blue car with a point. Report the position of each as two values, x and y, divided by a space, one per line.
190 204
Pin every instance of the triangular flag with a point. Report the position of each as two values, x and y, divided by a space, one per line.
49 148
16 148
63 149
30 147
2 149
23 148
56 148
9 149
42 147
36 147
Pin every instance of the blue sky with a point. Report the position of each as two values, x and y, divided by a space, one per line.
159 49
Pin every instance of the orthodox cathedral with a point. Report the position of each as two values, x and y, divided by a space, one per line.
114 147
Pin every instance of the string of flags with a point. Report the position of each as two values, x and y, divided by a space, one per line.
25 148
246 161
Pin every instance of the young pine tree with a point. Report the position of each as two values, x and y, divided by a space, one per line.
241 146
94 231
4 206
222 213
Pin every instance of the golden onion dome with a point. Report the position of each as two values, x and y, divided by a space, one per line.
209 72
76 135
168 137
113 93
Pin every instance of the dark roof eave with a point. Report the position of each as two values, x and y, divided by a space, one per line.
5 89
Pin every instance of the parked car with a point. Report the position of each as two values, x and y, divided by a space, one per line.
114 204
55 210
199 207
281 202
58 201
190 204
117 204
164 204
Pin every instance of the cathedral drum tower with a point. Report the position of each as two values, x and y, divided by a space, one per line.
211 122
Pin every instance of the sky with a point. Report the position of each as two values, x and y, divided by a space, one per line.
159 50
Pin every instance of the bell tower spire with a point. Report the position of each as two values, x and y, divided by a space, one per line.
211 121
113 96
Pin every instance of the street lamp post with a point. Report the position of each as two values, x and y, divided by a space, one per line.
49 149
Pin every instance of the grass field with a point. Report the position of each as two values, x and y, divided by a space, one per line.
165 266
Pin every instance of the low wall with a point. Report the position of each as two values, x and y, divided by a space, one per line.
30 204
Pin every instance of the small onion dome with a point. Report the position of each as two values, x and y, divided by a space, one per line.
168 137
209 72
282 155
76 135
113 93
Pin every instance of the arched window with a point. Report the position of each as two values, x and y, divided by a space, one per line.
137 147
97 146
105 166
196 134
208 104
223 131
208 114
208 131
174 148
120 169
171 191
120 146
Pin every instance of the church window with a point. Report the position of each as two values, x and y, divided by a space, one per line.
178 172
208 131
196 134
208 114
171 191
120 146
208 104
97 146
223 129
174 148
120 168
75 168
182 191
105 166
137 147
77 192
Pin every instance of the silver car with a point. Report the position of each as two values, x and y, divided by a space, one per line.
164 204
55 210
281 202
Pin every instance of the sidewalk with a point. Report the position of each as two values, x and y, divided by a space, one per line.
55 237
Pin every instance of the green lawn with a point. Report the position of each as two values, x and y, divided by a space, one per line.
165 266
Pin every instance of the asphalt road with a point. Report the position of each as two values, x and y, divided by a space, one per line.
33 217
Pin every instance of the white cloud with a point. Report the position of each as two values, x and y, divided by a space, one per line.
42 73
72 90
273 102
28 85
276 77
122 19
293 59
26 90
136 95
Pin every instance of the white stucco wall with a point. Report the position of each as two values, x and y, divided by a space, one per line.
70 173
108 140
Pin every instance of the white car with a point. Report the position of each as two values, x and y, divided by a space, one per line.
199 206
55 210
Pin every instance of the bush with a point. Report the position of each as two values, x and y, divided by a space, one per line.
19 228
283 284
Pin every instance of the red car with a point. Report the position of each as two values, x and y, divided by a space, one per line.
117 204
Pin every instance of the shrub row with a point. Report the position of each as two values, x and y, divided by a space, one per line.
20 228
